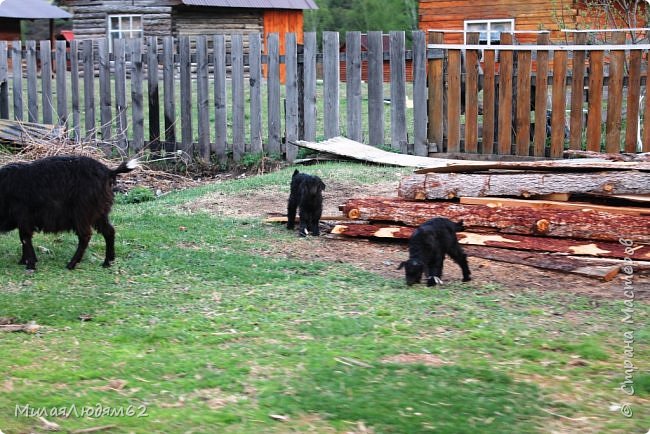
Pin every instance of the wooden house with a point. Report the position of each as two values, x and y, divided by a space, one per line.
526 18
12 12
135 18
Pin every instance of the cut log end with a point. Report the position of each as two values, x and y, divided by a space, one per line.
354 213
542 226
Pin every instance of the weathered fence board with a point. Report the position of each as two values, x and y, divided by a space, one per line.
88 61
505 98
471 95
46 81
398 92
137 94
353 85
220 109
595 96
4 81
309 92
153 92
558 103
238 97
169 104
186 94
61 83
105 109
453 101
119 51
32 76
202 95
375 88
291 106
255 81
420 146
274 102
331 81
577 93
435 82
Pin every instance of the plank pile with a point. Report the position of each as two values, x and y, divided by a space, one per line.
568 215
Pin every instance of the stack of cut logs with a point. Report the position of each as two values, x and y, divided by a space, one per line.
588 217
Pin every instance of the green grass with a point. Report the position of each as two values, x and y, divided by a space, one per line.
201 328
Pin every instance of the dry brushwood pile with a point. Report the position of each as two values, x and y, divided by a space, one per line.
574 218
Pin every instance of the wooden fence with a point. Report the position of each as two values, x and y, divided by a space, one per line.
221 95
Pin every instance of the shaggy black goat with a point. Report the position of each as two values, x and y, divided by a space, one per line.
306 194
57 194
428 246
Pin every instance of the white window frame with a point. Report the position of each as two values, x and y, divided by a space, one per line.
488 30
125 27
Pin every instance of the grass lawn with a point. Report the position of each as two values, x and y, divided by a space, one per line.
198 327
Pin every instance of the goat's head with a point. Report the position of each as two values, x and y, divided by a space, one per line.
413 269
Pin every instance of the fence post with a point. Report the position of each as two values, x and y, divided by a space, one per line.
274 101
353 84
615 96
577 93
105 112
32 92
220 103
237 80
331 74
4 81
74 88
291 87
61 83
119 53
376 88
153 93
89 88
185 61
399 139
202 95
46 80
255 80
309 90
504 136
17 79
435 81
471 94
420 146
169 103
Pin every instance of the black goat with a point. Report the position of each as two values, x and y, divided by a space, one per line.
57 194
306 194
428 246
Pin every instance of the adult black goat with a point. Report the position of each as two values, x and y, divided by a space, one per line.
57 194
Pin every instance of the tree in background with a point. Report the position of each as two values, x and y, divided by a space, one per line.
362 15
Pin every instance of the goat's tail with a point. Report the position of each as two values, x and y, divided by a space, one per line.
126 167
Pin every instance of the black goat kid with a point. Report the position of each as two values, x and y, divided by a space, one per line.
57 194
428 246
306 194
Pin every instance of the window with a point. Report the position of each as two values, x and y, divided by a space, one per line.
489 30
124 26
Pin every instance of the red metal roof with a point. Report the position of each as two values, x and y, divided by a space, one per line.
254 4
31 10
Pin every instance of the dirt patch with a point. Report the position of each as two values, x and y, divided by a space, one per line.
383 257
421 359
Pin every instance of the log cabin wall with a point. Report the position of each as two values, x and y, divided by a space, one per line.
210 21
90 17
532 15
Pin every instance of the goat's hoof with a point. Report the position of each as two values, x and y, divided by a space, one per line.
71 265
466 279
106 264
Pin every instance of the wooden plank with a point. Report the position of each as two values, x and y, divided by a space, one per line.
220 103
435 81
576 224
119 54
46 80
522 117
503 202
309 92
615 96
331 99
169 98
584 249
633 101
17 79
645 137
558 103
185 66
504 136
375 89
32 91
525 184
75 95
595 97
255 89
137 94
291 89
420 145
604 272
203 96
453 100
153 93
489 102
353 85
105 107
398 91
274 99
238 96
88 61
348 148
577 93
471 95
4 80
